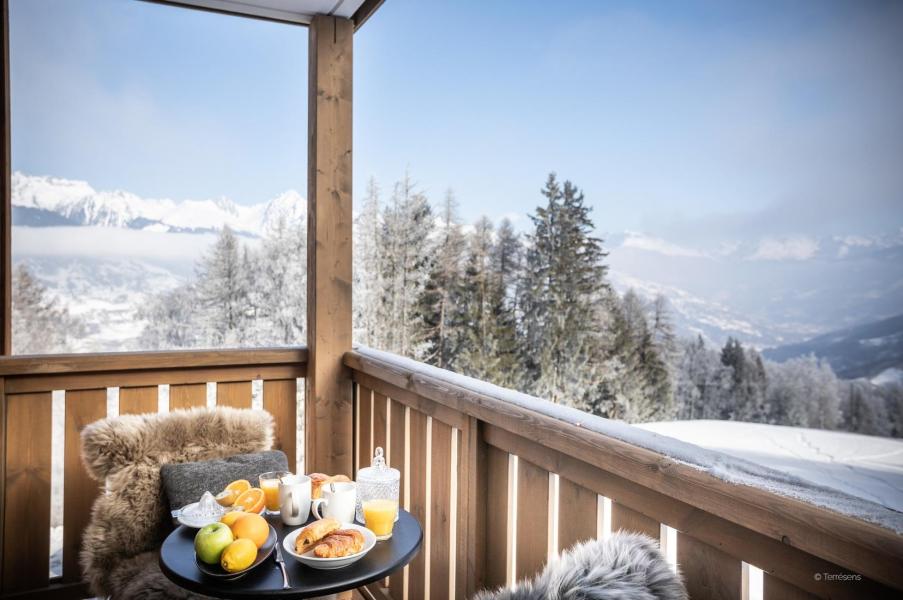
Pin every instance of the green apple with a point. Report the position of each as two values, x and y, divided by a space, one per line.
210 542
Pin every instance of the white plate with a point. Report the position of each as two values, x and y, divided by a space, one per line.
310 560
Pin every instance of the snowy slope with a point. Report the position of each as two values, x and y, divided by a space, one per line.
40 201
863 466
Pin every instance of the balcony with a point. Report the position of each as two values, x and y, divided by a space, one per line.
500 481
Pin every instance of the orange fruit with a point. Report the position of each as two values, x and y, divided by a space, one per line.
230 517
230 494
251 527
250 500
238 555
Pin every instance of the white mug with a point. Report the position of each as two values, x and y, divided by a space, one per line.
294 499
338 500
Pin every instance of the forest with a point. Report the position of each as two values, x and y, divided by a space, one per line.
530 310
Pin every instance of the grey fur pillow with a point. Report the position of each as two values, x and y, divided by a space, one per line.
184 483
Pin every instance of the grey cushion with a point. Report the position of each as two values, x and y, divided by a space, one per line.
184 483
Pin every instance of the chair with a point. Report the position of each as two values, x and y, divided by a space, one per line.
627 566
129 521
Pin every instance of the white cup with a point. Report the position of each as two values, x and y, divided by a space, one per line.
294 499
338 502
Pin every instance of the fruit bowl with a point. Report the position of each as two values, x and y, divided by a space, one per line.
308 558
216 571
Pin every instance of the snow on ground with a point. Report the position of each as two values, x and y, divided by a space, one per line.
863 466
733 469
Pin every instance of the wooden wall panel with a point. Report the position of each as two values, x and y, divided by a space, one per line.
440 510
380 422
187 395
532 518
82 408
329 413
26 520
417 484
138 400
498 517
280 399
364 424
628 519
235 394
709 573
577 507
396 454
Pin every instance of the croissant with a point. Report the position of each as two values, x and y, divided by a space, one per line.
317 480
313 533
343 542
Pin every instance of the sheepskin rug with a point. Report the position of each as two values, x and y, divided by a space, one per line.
627 566
119 555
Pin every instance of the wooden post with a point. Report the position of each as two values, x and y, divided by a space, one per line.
6 341
329 411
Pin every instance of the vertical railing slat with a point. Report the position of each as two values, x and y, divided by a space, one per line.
380 425
26 523
138 400
187 395
83 407
235 394
396 454
440 510
364 410
627 519
498 517
280 400
776 589
577 508
532 518
418 481
708 573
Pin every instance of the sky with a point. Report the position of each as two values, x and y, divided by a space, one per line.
697 121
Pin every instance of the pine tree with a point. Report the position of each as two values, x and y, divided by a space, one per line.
439 304
505 273
39 324
172 321
279 295
564 277
407 224
223 292
368 287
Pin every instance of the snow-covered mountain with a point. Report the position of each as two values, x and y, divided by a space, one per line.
40 201
767 292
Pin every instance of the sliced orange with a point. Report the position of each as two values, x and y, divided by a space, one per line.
230 494
250 500
230 517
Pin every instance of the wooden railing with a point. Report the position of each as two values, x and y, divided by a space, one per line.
79 386
502 487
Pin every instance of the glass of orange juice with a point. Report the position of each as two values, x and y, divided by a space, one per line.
269 483
379 516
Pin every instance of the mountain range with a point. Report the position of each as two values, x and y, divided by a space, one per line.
769 293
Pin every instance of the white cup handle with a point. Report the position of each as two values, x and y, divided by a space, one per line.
315 506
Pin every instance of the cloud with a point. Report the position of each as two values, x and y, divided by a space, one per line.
796 248
652 244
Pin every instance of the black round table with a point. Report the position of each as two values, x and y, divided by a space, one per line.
178 564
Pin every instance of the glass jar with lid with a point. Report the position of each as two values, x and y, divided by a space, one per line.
377 496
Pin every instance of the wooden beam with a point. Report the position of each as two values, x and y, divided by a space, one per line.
329 411
364 12
6 340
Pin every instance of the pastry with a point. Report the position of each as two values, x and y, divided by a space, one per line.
318 480
313 533
343 542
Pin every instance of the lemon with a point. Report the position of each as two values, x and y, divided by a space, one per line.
238 555
230 517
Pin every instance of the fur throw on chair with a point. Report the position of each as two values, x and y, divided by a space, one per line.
627 566
120 545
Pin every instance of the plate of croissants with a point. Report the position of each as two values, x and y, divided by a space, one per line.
328 544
